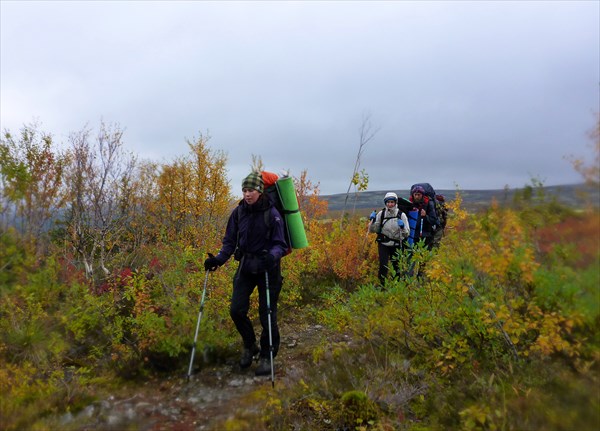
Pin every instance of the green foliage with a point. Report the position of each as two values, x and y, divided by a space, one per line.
132 324
34 351
494 330
13 258
148 318
483 308
570 291
31 179
353 385
357 410
536 209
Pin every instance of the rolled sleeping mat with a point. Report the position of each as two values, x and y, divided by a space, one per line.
413 217
405 205
291 210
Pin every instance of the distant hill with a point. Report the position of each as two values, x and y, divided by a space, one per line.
473 200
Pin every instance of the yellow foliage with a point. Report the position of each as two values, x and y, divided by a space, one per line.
192 201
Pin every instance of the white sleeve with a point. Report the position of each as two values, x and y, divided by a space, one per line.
406 228
374 227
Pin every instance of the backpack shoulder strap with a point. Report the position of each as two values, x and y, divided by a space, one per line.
239 216
381 221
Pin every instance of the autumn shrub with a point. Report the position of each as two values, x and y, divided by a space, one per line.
357 410
150 315
13 258
343 255
352 385
484 307
133 322
37 358
30 393
496 329
30 325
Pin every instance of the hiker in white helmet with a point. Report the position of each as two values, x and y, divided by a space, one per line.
391 226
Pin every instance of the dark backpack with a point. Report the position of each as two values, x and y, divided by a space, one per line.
441 210
429 191
272 193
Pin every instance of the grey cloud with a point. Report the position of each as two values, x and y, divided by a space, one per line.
480 94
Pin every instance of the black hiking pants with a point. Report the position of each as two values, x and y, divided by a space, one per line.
387 254
243 286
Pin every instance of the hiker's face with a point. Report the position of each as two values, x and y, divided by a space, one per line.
250 195
418 196
390 204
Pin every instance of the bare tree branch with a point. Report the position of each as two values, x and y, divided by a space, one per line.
366 133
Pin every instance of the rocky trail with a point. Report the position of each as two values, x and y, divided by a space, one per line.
213 394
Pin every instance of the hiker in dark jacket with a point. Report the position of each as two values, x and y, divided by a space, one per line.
255 236
428 220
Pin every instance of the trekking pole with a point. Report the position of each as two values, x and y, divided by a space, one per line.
371 220
198 326
366 237
270 332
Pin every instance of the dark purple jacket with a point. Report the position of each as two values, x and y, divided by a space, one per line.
254 235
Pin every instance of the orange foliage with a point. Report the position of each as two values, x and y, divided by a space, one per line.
584 230
350 253
311 206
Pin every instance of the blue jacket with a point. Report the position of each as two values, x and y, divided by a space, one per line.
430 221
247 222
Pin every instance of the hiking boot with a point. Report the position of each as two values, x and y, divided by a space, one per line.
248 356
264 367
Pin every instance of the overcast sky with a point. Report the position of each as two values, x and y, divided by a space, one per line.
474 94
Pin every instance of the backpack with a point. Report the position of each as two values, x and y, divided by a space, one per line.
429 191
438 204
404 205
441 210
272 193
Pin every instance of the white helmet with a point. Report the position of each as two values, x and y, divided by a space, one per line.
390 196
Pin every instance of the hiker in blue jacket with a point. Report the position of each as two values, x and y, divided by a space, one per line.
428 220
255 236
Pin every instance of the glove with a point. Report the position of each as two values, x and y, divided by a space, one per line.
373 216
267 261
212 263
401 223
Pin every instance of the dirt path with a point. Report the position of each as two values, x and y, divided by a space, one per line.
213 394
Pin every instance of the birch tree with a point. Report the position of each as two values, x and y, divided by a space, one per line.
100 184
31 184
